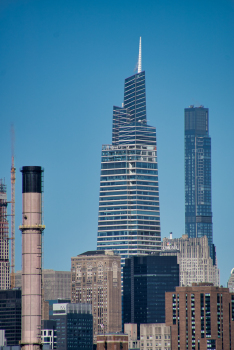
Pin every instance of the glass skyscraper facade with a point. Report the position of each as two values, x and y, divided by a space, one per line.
10 315
129 218
145 281
198 212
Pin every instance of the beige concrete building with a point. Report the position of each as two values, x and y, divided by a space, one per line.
96 279
131 330
155 336
56 284
193 256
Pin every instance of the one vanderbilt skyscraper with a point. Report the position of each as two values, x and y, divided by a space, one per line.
129 216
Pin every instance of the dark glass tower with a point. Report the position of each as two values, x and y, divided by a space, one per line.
145 281
198 212
129 219
10 315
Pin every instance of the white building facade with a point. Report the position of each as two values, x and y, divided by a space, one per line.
193 256
230 283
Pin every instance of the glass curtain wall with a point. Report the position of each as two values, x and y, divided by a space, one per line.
129 217
198 212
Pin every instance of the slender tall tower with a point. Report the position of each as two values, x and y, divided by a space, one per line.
129 218
4 239
31 257
198 212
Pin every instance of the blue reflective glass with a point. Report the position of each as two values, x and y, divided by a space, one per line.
197 143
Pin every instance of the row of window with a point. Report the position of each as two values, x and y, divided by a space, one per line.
127 177
124 233
130 207
128 193
156 217
129 212
129 171
116 186
136 204
132 227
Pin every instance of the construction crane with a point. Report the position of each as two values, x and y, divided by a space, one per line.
12 208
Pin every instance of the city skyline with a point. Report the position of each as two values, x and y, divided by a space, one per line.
63 67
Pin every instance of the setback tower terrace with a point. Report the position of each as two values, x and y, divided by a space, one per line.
129 217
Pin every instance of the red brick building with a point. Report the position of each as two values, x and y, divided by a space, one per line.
112 341
201 317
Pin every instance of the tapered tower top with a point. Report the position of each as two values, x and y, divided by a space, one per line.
139 57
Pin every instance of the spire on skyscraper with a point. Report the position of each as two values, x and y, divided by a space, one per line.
129 216
139 57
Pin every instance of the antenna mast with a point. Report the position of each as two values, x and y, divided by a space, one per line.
139 57
12 208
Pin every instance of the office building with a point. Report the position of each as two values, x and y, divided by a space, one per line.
198 211
49 334
145 281
96 279
112 341
155 336
4 240
129 218
193 257
74 326
56 284
10 315
230 284
201 317
131 330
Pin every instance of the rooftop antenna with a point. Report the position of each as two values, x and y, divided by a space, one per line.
139 57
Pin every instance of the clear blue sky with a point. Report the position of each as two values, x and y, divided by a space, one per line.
62 68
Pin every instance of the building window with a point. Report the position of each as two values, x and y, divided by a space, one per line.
232 307
211 344
218 315
174 308
208 318
193 320
178 319
202 315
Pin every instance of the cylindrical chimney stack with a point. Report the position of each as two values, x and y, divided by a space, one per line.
31 257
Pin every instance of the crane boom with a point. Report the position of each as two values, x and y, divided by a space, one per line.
12 209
